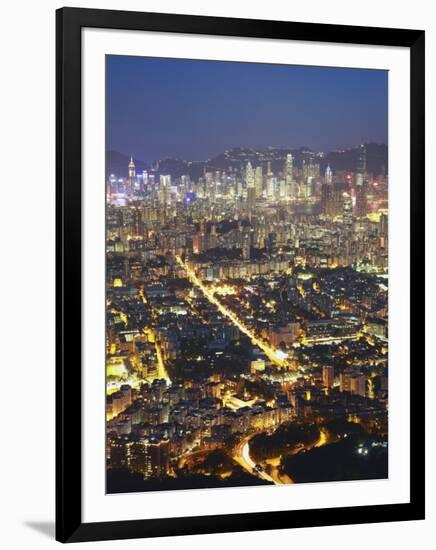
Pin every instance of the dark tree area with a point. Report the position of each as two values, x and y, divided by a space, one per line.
234 360
188 369
123 481
283 441
340 426
337 462
215 463
259 388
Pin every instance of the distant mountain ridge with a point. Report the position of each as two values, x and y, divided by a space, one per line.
376 161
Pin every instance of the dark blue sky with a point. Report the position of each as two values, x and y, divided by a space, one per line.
160 108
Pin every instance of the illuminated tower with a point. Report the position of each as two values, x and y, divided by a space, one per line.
131 177
361 165
347 210
164 188
384 231
258 177
328 175
289 176
132 172
271 187
251 189
251 198
249 175
310 174
361 187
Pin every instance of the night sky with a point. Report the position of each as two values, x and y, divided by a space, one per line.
194 110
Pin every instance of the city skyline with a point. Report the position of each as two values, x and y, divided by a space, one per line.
246 298
258 105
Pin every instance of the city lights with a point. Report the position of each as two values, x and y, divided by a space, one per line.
246 298
226 331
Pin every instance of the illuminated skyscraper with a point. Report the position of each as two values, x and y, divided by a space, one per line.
310 168
347 210
361 203
246 246
251 198
251 189
197 243
271 186
164 188
328 376
289 175
258 178
307 187
117 451
361 165
384 231
213 237
131 177
310 174
132 172
328 175
326 199
249 175
113 184
144 179
361 187
358 385
148 457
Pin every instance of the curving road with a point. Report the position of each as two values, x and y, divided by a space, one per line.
242 457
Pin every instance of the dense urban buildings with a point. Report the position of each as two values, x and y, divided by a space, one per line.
247 319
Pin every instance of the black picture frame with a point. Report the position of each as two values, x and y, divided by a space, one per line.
69 23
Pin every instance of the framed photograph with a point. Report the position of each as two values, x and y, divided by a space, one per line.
240 232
